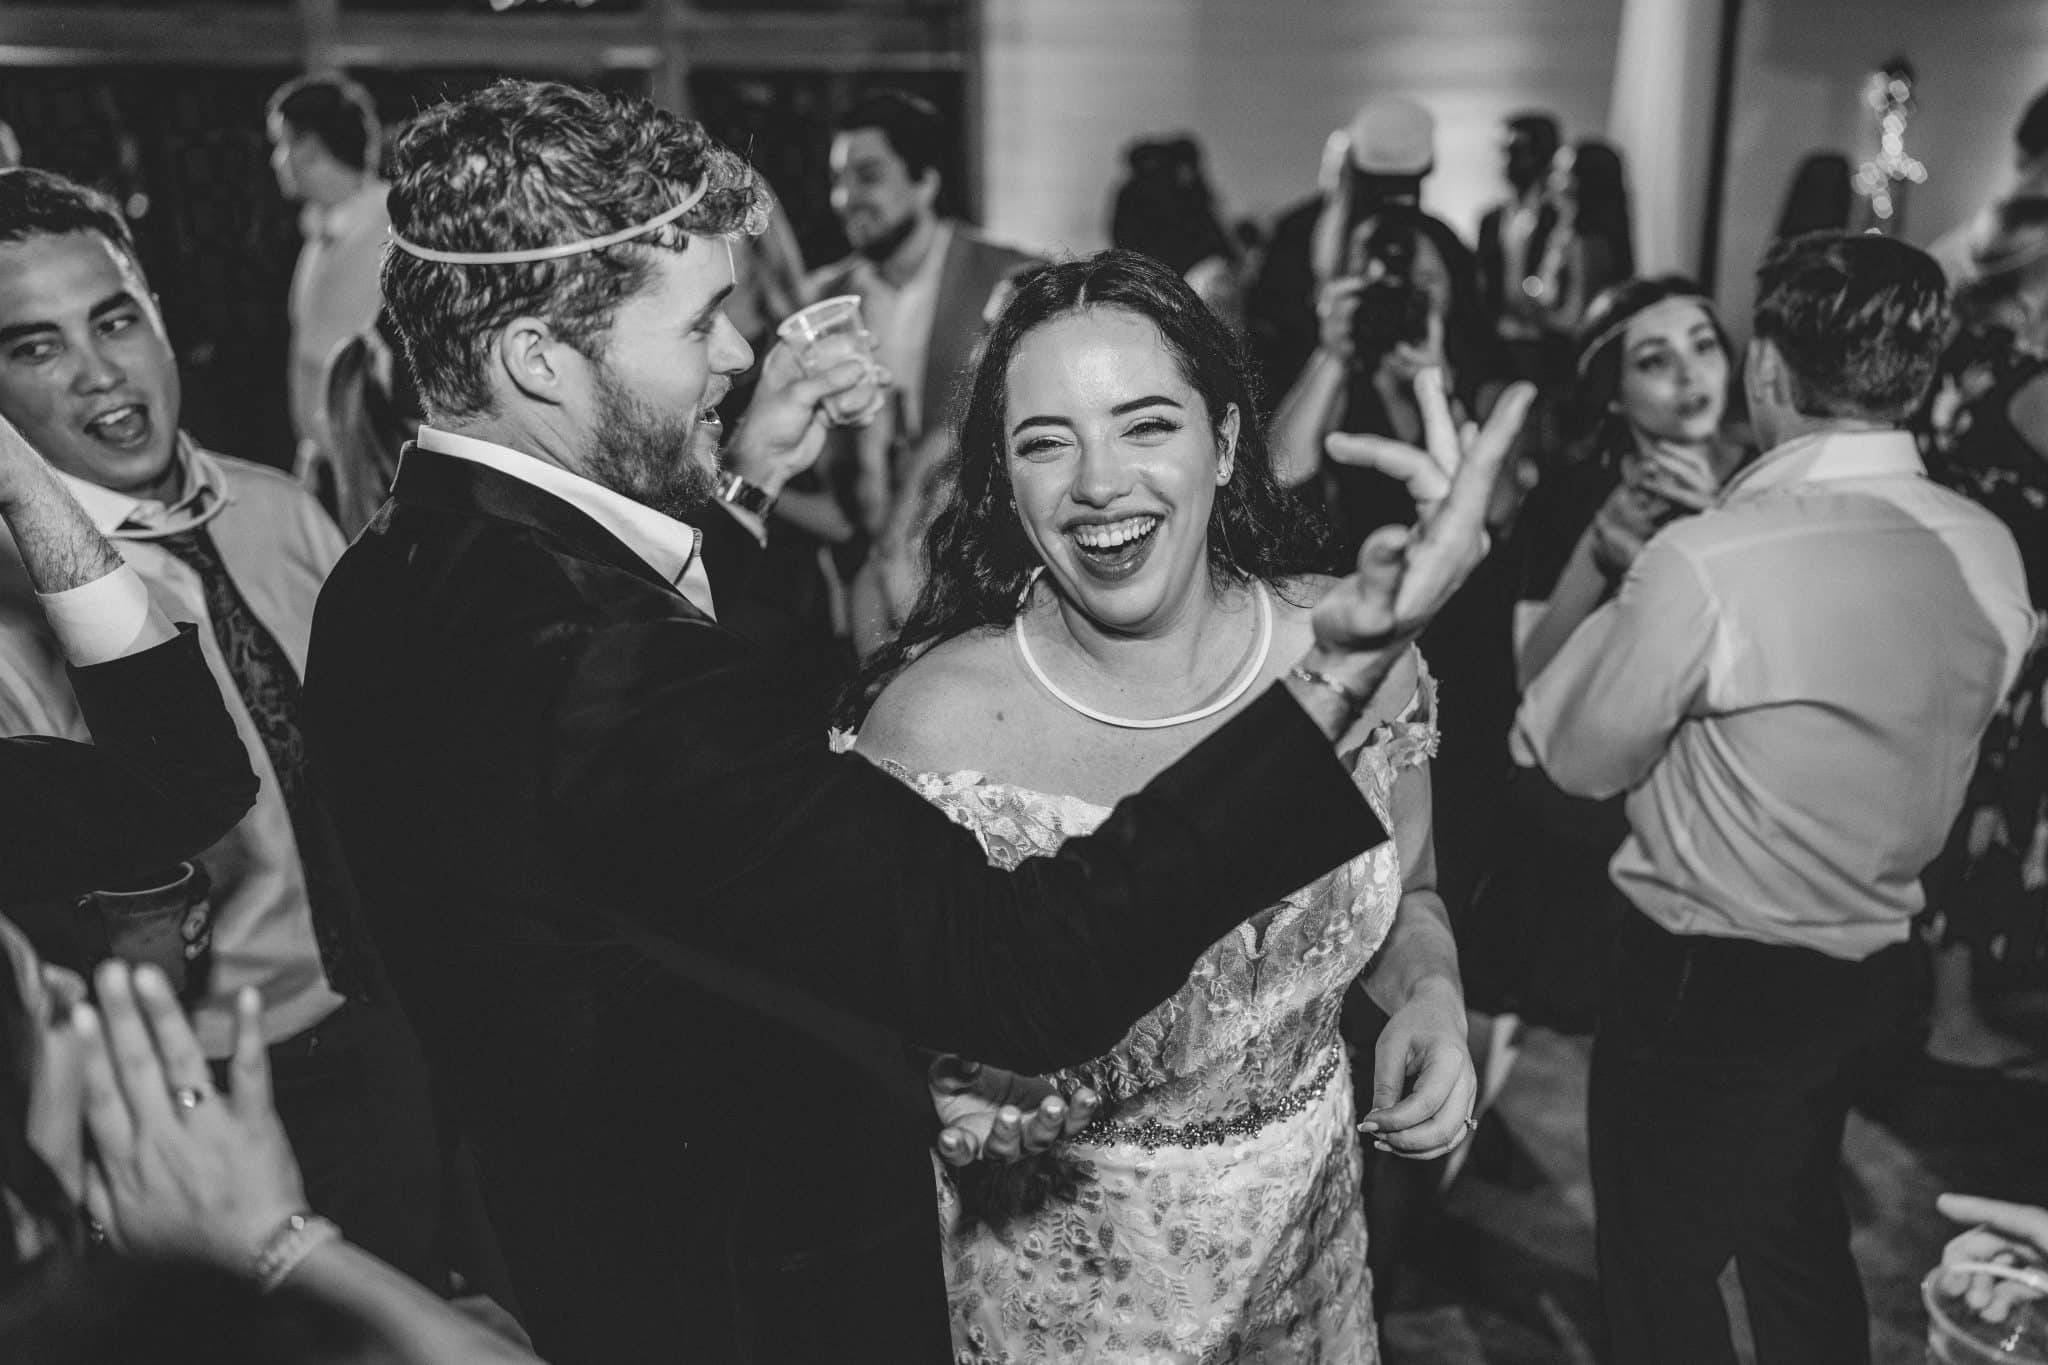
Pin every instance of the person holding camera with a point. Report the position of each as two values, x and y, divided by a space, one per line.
1403 300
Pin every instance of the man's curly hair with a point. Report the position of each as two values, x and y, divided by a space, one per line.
526 164
1860 320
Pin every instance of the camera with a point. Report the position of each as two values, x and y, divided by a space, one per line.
1392 308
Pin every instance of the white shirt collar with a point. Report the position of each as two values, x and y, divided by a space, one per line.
668 546
123 516
1829 455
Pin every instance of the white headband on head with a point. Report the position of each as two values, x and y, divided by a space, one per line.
1614 330
552 253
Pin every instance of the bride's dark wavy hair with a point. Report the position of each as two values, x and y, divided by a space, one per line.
976 555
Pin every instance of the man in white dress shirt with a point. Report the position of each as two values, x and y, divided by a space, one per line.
1790 687
88 376
324 143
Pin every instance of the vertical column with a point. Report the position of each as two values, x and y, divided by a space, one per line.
319 33
669 81
1663 118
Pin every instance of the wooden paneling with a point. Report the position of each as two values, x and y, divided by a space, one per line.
1262 82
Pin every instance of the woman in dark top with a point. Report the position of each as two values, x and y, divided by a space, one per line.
1986 435
1651 408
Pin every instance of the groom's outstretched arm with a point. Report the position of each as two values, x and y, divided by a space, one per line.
689 785
704 804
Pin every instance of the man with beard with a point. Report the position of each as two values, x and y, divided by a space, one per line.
928 285
88 376
662 943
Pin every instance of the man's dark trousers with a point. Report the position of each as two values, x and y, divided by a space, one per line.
1722 1077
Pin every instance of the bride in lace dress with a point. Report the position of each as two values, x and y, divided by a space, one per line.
1114 570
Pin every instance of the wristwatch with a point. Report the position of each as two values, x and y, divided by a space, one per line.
746 496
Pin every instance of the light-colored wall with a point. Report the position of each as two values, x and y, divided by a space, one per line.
1262 82
1798 89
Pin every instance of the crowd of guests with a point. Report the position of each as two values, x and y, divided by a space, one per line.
465 941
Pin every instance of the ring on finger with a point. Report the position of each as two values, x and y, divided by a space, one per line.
190 1097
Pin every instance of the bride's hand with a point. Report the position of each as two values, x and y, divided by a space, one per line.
1424 1087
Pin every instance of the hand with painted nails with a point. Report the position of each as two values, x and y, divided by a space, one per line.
988 1114
1424 1087
180 1170
2012 1237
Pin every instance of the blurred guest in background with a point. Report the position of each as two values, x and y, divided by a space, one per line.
1986 435
324 138
1650 443
1381 158
1513 238
1166 209
1957 248
1818 199
1405 300
1591 247
1835 626
372 411
928 285
88 376
10 147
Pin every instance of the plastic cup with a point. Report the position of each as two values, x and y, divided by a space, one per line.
828 333
1957 1336
168 924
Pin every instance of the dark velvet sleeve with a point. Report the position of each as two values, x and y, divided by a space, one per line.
166 776
706 809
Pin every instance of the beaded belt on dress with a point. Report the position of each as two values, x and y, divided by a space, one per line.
1151 1134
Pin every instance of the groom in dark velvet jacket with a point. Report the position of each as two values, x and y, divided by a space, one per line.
663 947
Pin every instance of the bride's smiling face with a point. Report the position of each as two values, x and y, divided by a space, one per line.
1115 459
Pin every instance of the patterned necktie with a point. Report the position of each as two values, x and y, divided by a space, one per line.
269 687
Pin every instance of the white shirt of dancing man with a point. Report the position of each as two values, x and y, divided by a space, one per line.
335 293
1791 688
277 545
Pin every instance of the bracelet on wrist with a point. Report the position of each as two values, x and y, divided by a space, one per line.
1353 698
288 1244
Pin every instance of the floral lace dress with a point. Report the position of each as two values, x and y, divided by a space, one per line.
1222 1219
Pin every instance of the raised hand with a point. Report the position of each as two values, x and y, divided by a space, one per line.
181 1170
1406 574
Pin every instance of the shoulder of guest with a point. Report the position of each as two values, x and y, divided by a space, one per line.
941 703
1009 255
248 479
276 497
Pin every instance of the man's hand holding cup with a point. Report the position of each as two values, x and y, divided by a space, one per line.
794 408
